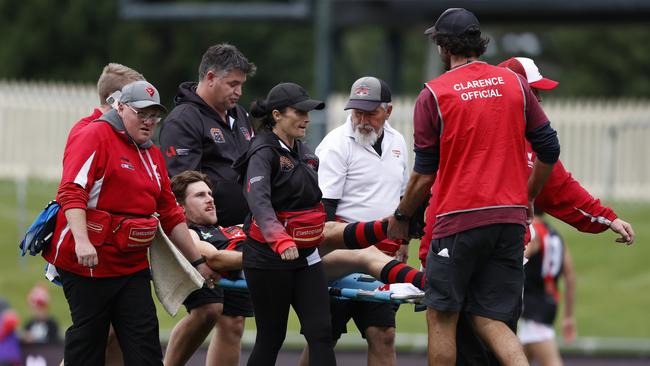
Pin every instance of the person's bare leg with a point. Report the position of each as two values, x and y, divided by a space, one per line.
441 326
500 338
342 262
190 332
225 345
332 237
304 357
381 346
113 350
546 353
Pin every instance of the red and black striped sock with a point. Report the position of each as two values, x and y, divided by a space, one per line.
398 272
361 235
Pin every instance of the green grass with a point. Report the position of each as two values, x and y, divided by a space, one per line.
613 280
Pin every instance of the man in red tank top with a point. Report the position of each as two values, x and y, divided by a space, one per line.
470 126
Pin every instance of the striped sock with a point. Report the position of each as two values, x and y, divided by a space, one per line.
361 235
398 272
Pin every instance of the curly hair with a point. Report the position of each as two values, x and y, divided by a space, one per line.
468 44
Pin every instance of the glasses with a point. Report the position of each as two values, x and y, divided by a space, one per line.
155 117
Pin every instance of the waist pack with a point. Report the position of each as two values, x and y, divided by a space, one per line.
304 226
127 233
98 226
133 234
39 234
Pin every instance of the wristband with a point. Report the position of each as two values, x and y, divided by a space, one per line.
199 261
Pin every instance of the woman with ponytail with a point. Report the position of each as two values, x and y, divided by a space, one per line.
280 257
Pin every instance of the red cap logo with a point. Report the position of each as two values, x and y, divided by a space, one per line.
150 91
362 91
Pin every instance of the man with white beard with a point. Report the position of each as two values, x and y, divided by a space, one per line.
363 173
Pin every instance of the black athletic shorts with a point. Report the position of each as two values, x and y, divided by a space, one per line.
237 303
479 270
203 296
365 314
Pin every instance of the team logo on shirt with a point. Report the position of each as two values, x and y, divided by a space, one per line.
245 132
311 160
286 164
396 153
234 232
217 135
254 180
172 151
126 164
206 235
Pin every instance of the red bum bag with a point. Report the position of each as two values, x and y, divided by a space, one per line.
304 226
127 233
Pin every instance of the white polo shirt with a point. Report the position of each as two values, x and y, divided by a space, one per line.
368 186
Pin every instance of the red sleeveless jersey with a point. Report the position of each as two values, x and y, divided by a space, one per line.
482 140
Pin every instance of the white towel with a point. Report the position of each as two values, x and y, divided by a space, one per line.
174 278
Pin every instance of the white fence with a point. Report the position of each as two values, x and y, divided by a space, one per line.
35 119
604 143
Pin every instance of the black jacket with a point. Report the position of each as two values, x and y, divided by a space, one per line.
277 179
193 137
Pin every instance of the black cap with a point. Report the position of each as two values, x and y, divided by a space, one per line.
291 95
454 22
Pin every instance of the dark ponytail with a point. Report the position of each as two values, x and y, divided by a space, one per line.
263 117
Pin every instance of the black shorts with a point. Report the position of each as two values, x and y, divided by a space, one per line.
237 303
483 273
365 314
202 297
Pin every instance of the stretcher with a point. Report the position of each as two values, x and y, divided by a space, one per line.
356 286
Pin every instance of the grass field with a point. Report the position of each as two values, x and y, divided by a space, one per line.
613 280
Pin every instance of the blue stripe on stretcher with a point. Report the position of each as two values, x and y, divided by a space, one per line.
359 286
355 286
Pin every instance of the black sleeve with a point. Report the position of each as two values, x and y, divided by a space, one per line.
330 208
181 144
426 161
545 143
257 190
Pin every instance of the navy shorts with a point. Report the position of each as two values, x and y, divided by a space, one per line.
202 297
478 270
364 313
237 303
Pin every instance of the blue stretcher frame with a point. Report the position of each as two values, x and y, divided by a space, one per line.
355 286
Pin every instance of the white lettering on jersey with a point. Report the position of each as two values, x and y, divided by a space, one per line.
481 83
